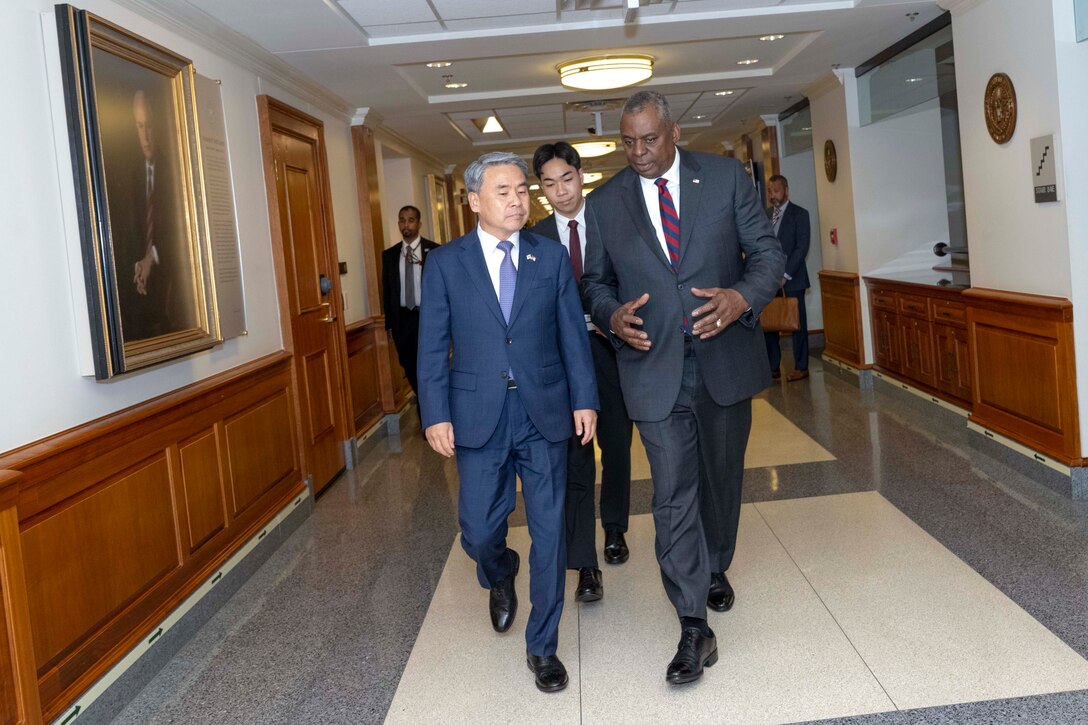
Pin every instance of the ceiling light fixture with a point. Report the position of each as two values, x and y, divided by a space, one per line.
700 117
588 177
439 64
771 38
748 61
605 72
915 80
450 82
590 149
488 125
724 93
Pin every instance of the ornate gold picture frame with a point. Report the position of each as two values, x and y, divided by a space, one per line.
133 131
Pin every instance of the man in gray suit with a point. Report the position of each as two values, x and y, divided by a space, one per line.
682 259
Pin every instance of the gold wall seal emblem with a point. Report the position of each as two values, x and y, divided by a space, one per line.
1000 106
831 160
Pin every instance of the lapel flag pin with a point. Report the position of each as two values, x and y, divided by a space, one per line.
695 181
530 257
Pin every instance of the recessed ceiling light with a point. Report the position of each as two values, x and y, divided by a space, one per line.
588 177
605 72
724 93
748 61
439 64
488 125
915 80
806 128
451 84
589 149
700 117
771 38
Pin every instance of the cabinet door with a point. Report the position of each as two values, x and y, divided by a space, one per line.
953 362
886 340
917 337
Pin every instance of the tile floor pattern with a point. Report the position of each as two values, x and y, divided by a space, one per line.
845 607
324 631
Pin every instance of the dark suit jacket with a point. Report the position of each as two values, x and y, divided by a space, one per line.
721 218
549 227
391 279
794 233
545 342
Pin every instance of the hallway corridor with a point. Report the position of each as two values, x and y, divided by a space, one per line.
888 571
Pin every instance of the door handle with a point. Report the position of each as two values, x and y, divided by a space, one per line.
329 317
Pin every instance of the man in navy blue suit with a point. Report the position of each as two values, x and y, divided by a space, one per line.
518 384
791 226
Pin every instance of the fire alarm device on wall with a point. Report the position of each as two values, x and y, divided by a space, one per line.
835 236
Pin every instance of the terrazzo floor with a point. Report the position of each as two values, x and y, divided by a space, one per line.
893 574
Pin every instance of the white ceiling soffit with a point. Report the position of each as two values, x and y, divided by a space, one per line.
372 54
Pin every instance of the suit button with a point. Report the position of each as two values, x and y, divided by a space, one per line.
509 341
679 286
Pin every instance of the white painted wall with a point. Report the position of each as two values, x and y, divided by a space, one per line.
397 191
40 385
1016 244
1072 66
836 199
800 172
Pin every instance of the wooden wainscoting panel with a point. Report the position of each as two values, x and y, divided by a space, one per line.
202 489
9 701
839 296
365 374
260 450
100 552
1024 370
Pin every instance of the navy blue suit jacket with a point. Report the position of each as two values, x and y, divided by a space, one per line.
545 343
794 233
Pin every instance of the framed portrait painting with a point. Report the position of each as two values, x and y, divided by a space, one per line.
133 132
436 201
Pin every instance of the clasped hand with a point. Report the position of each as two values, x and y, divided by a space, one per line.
726 305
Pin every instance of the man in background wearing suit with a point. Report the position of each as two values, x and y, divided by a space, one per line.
518 384
559 169
791 226
402 274
666 276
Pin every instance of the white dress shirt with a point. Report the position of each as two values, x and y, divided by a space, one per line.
417 270
652 196
493 256
563 224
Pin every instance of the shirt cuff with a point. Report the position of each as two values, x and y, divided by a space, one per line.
788 278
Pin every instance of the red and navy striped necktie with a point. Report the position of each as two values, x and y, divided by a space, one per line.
670 222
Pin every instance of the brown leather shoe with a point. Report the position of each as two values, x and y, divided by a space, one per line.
796 375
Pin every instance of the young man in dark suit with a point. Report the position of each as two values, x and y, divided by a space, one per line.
559 169
791 226
519 383
681 260
402 274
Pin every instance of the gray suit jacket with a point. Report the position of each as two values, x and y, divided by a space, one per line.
726 240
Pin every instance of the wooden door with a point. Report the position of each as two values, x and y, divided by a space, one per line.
302 227
953 363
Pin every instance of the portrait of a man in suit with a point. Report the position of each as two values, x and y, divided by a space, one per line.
149 226
681 260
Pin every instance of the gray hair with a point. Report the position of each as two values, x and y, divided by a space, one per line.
474 174
639 101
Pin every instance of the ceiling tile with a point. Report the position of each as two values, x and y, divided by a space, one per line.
368 12
295 26
392 31
500 21
460 9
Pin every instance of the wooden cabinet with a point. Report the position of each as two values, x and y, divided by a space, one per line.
920 337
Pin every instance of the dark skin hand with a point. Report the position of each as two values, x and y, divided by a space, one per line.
725 305
625 323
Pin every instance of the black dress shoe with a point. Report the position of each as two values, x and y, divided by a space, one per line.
615 547
694 652
721 597
551 675
503 602
590 588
